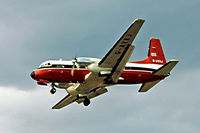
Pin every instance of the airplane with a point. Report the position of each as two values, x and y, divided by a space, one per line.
85 78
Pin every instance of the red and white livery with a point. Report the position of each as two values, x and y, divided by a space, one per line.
85 78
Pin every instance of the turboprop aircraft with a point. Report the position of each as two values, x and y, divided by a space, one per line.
85 78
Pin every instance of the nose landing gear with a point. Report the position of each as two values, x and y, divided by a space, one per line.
53 90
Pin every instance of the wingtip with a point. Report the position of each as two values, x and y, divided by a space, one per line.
53 108
139 20
174 60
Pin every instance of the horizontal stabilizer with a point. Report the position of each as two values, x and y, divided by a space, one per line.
165 69
148 85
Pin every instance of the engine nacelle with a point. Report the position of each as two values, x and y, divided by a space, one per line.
72 90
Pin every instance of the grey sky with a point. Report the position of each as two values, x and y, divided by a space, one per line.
32 32
169 107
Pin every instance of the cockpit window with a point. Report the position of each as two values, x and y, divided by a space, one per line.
57 66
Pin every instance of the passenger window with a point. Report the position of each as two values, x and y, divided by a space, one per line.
57 66
68 66
127 68
54 66
82 67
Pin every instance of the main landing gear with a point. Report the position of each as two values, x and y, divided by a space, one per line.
86 102
108 81
53 90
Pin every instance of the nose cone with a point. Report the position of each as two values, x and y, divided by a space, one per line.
33 75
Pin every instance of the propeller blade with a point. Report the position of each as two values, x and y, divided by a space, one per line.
72 71
73 61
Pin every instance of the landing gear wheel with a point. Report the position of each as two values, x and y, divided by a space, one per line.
53 90
108 80
86 102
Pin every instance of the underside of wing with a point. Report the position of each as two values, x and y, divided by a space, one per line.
65 101
112 57
119 66
120 53
70 98
93 94
78 93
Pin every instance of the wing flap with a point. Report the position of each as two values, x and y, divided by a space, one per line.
119 66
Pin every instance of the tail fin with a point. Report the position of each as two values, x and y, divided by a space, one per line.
155 54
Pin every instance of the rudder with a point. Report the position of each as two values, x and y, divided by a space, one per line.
155 54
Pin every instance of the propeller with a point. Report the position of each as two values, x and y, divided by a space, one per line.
73 66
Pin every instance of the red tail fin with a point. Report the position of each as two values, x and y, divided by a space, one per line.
155 55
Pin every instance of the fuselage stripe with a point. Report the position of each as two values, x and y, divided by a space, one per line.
129 69
141 69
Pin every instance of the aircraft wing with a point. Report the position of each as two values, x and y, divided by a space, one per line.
65 101
119 54
72 98
69 98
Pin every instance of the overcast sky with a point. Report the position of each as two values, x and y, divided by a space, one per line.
34 31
